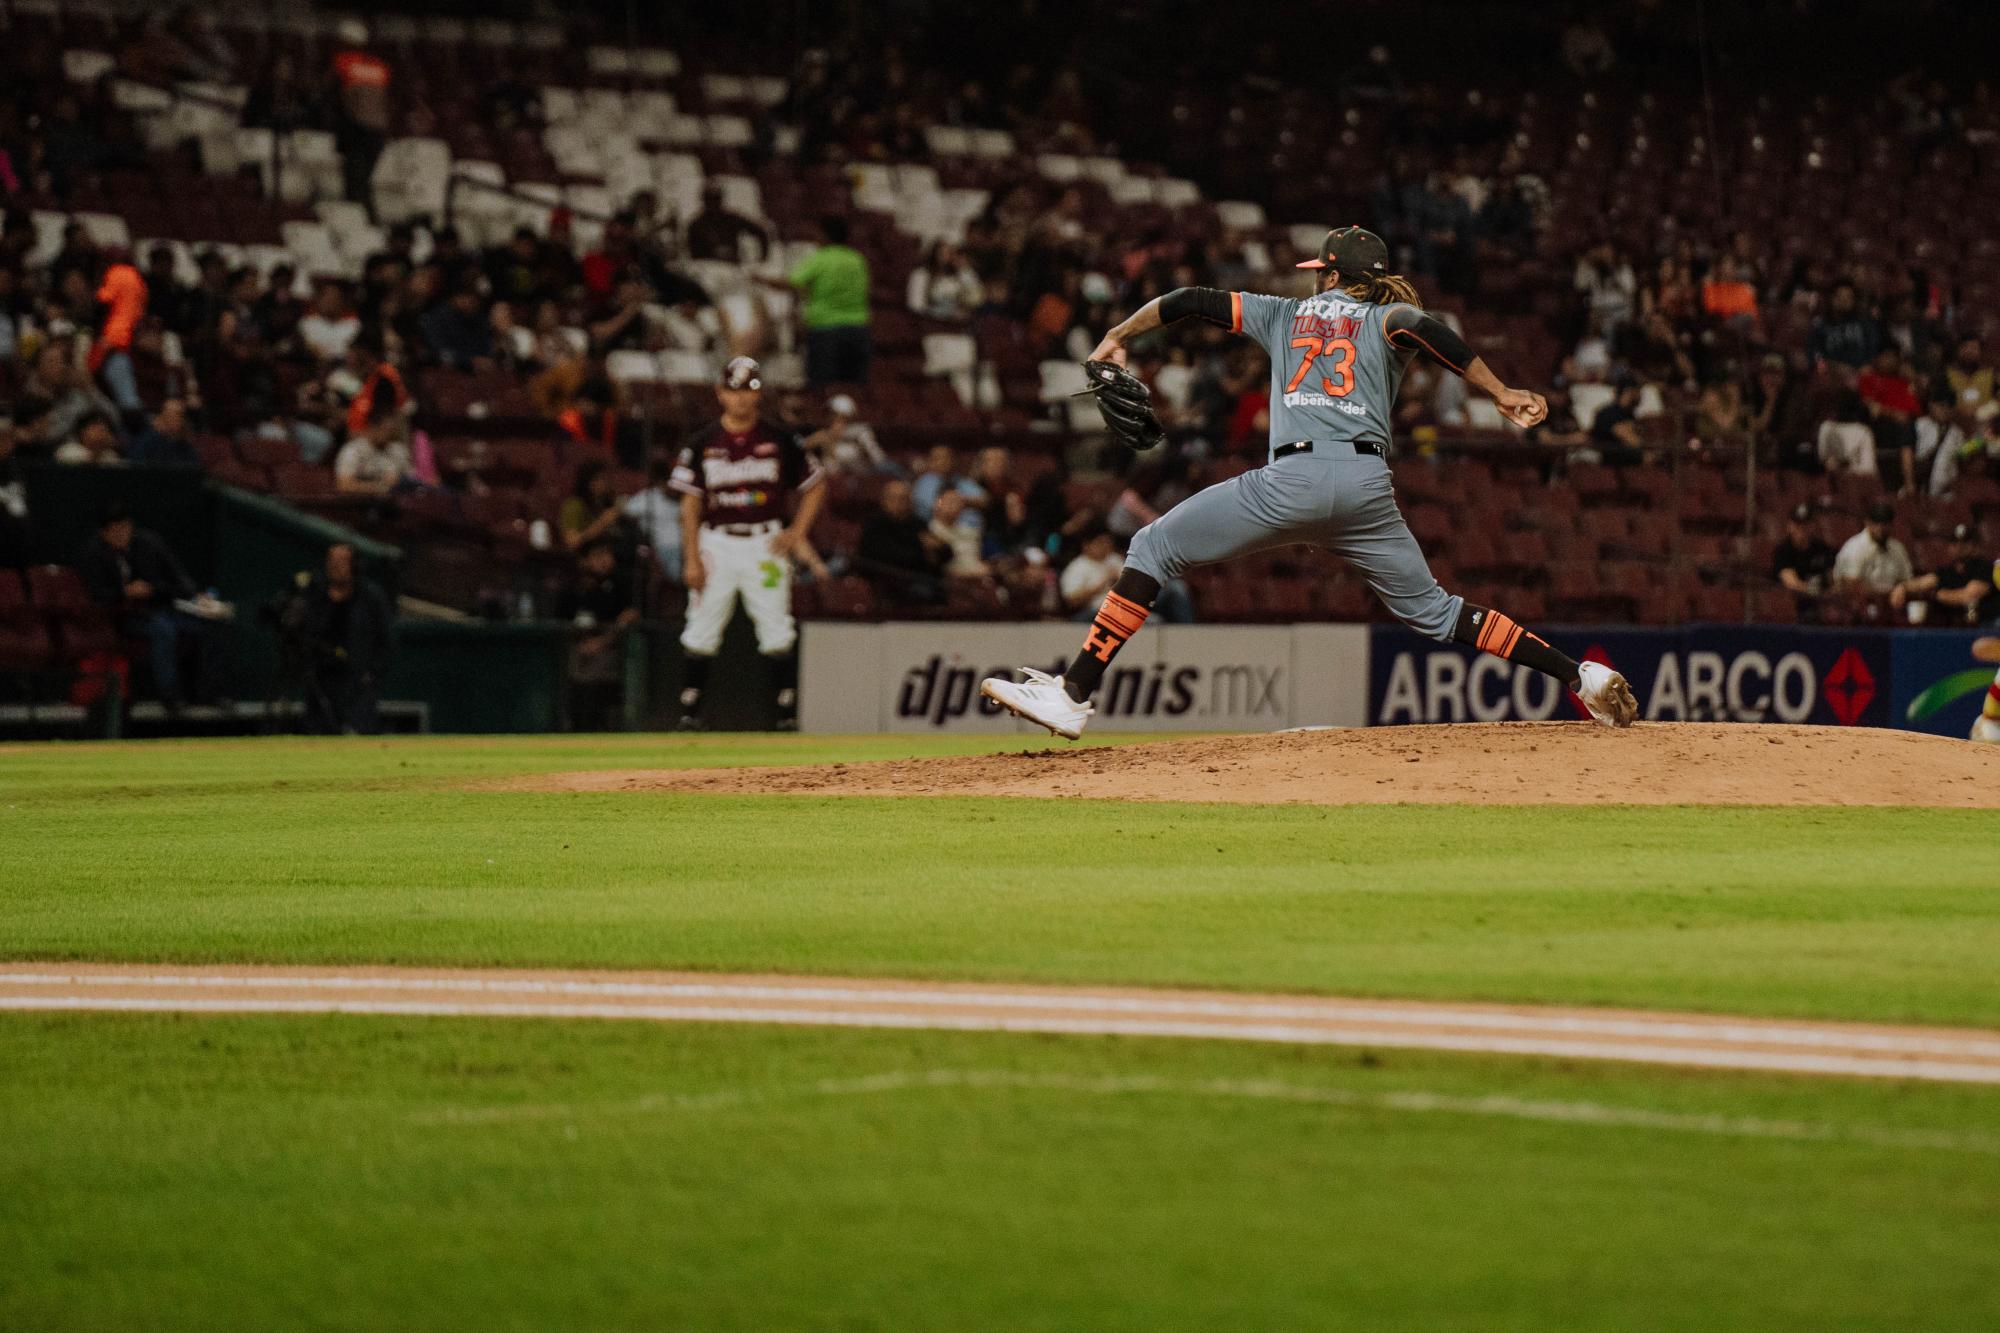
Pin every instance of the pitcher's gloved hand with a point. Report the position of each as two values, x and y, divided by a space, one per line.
1125 403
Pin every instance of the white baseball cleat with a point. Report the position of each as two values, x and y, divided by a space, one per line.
1605 693
1986 729
1042 700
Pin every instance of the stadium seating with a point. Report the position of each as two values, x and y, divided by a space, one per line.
1652 541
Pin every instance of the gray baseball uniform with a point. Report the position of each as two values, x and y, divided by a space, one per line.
1334 379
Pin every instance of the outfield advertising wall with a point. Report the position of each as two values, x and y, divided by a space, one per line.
1937 686
1916 679
925 677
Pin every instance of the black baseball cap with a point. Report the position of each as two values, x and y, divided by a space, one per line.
1881 512
1351 250
742 372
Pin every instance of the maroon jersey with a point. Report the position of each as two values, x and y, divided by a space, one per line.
747 478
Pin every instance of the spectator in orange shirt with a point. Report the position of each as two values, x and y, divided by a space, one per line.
1725 296
381 380
363 127
1891 397
123 294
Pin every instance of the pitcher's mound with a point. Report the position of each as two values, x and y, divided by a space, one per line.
1516 763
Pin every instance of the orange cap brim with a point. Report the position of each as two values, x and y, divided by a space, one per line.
1310 263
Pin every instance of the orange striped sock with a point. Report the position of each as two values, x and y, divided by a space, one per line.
1503 636
1117 620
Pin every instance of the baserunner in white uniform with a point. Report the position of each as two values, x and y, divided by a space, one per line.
1337 362
738 479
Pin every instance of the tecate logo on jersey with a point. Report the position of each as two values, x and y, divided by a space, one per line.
941 691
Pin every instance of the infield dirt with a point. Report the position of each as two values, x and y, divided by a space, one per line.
1504 763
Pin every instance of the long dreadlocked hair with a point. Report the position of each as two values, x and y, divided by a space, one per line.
1383 289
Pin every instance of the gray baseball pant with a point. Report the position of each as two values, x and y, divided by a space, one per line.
1342 501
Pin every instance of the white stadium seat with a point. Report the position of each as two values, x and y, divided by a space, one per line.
1587 400
106 229
948 140
1059 167
411 178
687 131
655 63
913 179
495 32
948 353
730 132
588 200
86 66
559 104
720 88
603 107
650 113
992 143
1304 236
681 367
633 367
141 98
741 194
1060 379
312 249
49 228
1243 215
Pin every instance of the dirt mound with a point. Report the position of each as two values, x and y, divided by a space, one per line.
1521 763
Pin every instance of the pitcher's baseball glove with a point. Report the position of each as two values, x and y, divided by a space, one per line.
1125 403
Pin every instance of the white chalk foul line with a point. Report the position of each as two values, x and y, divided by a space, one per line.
1726 1032
1510 1108
1558 1047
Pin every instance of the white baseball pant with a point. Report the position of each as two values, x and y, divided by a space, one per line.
745 567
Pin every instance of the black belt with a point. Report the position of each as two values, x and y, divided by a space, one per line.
745 529
1369 447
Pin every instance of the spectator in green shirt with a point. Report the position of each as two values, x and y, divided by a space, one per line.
832 283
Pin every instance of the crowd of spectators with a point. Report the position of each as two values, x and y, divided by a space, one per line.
1688 333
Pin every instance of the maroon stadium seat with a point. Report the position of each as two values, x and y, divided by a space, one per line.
26 646
86 631
58 591
303 481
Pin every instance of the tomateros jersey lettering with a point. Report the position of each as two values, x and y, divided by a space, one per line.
748 478
1334 372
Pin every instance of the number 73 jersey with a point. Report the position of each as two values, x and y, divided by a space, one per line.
1334 372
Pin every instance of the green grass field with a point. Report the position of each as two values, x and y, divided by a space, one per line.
365 1173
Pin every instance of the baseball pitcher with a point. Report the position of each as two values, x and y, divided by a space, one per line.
1337 361
737 480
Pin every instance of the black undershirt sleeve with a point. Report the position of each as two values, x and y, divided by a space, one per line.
1203 302
1414 331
